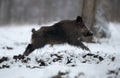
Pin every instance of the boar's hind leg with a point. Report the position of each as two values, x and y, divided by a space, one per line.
29 49
79 43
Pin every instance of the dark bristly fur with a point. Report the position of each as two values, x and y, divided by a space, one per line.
72 32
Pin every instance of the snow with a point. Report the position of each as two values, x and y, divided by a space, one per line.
56 58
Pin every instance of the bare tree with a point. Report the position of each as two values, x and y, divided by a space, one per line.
88 12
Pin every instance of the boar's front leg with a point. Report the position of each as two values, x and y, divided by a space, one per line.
83 46
30 48
79 43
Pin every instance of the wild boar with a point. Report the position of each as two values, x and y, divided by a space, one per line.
72 32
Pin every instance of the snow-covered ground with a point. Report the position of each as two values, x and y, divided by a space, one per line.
62 60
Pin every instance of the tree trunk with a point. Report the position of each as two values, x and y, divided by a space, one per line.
88 12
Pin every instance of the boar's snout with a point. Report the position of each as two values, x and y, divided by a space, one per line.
89 33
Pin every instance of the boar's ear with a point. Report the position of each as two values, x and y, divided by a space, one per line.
33 30
79 19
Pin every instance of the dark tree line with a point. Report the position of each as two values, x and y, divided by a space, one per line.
42 11
38 11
